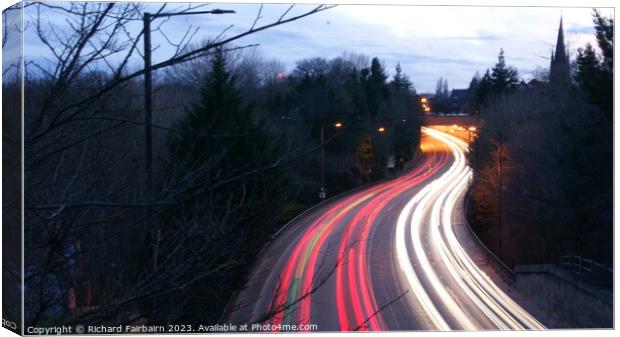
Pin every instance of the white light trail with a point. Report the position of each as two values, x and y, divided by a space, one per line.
437 202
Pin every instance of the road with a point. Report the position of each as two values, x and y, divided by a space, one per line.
393 256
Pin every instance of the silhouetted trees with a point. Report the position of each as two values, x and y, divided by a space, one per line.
543 162
501 79
236 144
595 72
440 103
103 246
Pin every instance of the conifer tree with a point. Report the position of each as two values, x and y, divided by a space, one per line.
376 89
401 81
219 141
484 88
595 74
503 77
219 125
472 92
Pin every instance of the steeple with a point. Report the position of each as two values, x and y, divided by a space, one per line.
560 49
559 72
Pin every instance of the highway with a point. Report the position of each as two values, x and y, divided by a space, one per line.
392 256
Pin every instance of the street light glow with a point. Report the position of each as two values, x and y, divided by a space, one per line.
338 125
381 129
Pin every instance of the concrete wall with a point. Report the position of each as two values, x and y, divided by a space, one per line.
571 302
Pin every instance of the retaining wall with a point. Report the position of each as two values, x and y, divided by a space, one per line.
571 302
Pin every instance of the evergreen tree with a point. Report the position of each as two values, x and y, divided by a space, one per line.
484 89
221 140
377 73
503 78
401 81
219 124
473 85
376 89
588 69
595 74
605 38
405 113
472 92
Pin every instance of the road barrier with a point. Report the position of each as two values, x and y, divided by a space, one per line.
581 265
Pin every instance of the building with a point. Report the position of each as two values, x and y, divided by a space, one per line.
559 71
459 101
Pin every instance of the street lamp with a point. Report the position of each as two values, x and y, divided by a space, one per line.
471 130
148 83
381 130
323 191
425 106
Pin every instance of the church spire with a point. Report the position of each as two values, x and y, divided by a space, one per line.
559 74
560 49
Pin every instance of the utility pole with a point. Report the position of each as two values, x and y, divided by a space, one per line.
148 117
323 191
148 104
148 88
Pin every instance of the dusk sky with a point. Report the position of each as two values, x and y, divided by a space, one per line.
429 41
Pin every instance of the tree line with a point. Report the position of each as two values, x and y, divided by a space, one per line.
543 160
236 155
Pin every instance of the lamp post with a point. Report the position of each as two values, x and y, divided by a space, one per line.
425 104
148 85
471 130
380 130
323 191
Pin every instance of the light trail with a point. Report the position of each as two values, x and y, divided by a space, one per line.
382 241
431 211
354 295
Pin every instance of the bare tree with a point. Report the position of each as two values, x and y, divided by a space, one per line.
94 254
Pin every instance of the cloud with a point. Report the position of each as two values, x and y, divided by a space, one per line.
473 38
578 29
428 41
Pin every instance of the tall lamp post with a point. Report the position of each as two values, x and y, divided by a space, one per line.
148 84
323 191
381 131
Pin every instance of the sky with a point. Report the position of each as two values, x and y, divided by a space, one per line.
428 41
